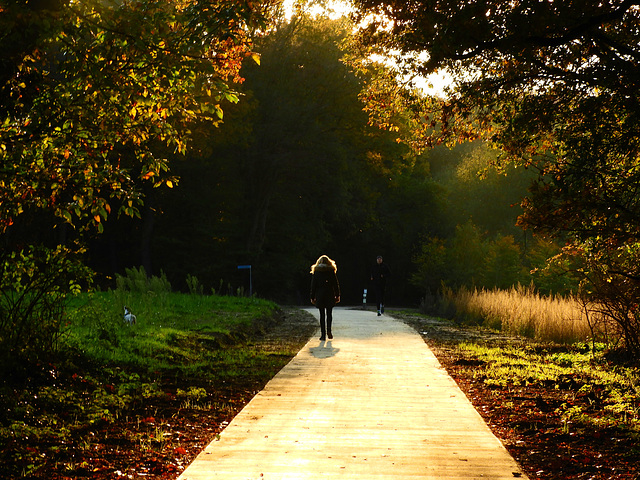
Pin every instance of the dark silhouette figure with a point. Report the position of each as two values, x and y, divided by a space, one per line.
325 292
379 274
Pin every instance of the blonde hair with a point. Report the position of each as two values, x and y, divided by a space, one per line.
324 260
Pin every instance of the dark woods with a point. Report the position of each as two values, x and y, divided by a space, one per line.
295 170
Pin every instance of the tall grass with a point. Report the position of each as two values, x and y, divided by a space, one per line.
521 311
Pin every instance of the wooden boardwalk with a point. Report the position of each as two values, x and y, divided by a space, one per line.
374 403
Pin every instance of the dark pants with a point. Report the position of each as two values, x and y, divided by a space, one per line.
378 290
326 318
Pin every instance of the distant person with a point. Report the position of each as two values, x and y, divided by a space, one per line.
379 274
325 292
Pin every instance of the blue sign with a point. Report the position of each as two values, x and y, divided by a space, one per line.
244 267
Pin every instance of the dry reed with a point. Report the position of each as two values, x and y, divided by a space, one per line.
522 311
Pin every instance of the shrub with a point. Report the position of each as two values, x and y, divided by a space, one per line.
34 286
194 285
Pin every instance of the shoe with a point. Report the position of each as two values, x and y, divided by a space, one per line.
322 339
379 313
330 336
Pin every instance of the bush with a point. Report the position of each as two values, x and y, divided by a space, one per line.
34 286
194 285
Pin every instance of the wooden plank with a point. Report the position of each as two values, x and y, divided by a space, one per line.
374 403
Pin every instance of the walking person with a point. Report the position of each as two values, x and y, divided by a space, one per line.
379 274
325 292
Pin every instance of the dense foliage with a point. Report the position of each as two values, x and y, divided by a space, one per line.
296 171
94 98
95 93
555 86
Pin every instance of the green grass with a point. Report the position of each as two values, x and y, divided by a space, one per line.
613 391
182 347
173 331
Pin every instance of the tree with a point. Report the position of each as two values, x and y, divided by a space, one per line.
504 267
90 90
432 267
289 164
555 86
479 191
95 96
295 172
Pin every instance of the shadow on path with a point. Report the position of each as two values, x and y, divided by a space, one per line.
324 350
374 403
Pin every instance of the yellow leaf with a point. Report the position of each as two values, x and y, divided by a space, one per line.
256 57
97 218
169 184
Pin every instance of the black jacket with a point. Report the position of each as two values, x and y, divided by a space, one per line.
379 273
324 286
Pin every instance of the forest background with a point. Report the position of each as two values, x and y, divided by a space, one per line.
296 171
197 137
191 137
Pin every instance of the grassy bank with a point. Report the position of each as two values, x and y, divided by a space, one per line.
173 331
116 397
